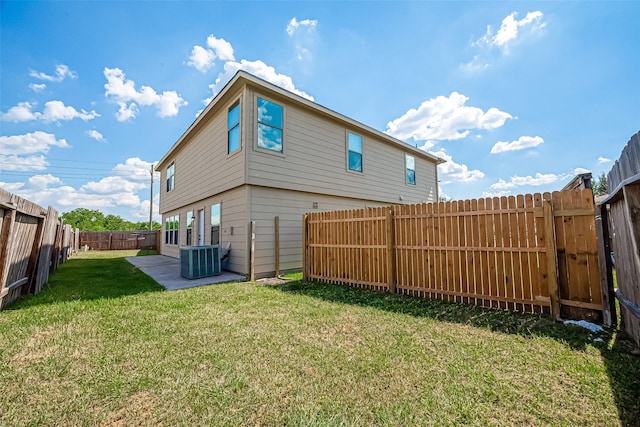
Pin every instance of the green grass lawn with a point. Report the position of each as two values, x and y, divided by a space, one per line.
104 344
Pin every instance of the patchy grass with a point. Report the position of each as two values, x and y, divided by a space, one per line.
296 354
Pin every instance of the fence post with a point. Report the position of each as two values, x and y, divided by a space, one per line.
391 259
605 268
253 251
32 266
277 243
552 258
305 228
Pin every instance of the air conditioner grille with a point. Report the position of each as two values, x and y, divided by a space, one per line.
199 261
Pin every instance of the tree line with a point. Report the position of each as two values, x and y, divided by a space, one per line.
94 220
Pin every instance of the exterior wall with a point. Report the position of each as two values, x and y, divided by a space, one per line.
202 165
233 227
315 158
289 206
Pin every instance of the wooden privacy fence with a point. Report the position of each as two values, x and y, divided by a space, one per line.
118 240
620 214
530 253
32 243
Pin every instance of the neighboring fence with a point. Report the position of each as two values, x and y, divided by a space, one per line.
118 240
32 243
620 213
532 253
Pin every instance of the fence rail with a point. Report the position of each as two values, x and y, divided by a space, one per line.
530 253
33 242
118 240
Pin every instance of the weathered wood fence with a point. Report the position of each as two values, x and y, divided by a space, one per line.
33 242
118 240
620 213
529 253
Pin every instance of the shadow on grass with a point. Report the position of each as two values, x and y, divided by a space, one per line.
91 278
622 367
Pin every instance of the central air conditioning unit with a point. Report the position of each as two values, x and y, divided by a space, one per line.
199 261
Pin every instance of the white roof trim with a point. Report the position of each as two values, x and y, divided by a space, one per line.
241 74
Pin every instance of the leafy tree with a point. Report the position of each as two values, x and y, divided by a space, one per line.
85 219
600 185
94 220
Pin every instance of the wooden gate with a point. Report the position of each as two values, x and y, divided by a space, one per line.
620 214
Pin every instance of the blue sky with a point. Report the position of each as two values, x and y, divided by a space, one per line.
516 96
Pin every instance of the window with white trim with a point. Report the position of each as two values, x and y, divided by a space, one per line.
270 125
215 224
189 228
233 128
410 167
171 227
171 171
354 152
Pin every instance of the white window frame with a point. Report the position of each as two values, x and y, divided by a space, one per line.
171 180
258 123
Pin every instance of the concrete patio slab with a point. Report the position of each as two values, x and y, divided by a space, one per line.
166 271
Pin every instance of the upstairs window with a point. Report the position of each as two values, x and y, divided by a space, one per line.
270 124
171 171
189 228
354 152
410 166
171 227
233 128
215 224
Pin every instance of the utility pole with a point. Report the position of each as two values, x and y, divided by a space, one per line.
151 202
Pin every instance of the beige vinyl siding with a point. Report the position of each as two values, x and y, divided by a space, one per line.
202 166
289 206
315 159
233 226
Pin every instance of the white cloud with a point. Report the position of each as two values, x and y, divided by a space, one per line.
30 143
95 135
580 171
486 194
20 113
141 213
12 162
519 181
136 169
124 93
445 118
222 48
126 112
259 69
511 32
303 34
603 160
112 185
56 110
455 172
118 190
53 111
41 182
520 144
511 29
62 72
294 25
37 88
202 59
11 187
511 26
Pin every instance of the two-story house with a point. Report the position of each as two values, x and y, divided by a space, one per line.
258 151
